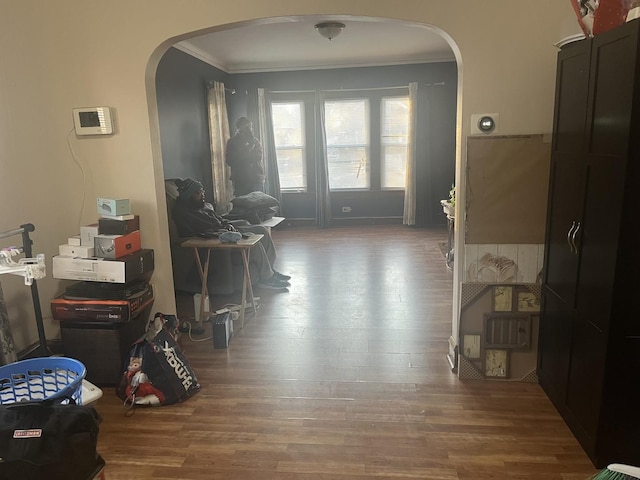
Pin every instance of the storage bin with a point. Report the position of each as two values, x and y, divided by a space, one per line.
102 346
45 378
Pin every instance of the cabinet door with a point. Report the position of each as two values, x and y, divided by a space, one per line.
554 340
568 167
597 240
611 98
620 436
563 223
585 383
572 89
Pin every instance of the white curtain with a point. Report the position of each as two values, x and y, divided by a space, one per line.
219 134
409 216
270 159
323 192
262 124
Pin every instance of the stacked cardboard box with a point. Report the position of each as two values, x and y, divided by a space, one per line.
103 314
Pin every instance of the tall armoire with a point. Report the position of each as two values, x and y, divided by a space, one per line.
589 344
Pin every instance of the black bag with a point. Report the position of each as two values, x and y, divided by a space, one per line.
157 371
45 440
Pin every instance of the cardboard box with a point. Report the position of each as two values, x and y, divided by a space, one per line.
129 216
87 233
76 241
118 227
116 246
135 266
83 251
113 206
100 310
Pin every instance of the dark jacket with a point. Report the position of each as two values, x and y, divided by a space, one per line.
244 156
193 222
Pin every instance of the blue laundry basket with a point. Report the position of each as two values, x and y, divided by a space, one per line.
45 378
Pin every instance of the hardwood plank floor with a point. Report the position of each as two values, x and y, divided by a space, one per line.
344 377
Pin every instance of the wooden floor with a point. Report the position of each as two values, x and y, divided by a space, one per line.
344 377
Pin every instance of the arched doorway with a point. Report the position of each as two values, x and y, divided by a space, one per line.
195 45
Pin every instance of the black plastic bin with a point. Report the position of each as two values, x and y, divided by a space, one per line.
103 346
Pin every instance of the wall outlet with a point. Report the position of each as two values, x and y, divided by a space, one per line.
346 209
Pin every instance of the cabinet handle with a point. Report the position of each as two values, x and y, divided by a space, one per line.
573 237
573 225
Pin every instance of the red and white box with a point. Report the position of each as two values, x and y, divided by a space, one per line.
116 246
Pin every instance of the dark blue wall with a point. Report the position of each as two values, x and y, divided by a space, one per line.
181 86
181 89
437 93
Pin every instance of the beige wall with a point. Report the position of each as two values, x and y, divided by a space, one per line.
56 55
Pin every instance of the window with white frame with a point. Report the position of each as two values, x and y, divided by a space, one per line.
288 129
394 141
347 136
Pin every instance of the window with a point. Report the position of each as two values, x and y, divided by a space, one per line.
347 132
366 134
288 129
395 113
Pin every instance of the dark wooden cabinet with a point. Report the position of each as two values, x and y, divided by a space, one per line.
590 324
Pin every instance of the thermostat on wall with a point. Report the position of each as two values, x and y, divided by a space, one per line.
484 123
93 121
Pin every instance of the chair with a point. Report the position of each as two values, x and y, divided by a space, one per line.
225 271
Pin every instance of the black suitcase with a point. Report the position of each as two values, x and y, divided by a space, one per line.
43 440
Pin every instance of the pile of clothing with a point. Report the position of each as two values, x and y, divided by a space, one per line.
255 207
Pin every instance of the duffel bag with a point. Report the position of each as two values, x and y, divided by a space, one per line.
46 440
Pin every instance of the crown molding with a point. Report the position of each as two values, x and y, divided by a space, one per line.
190 49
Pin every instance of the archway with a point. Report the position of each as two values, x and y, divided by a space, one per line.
372 22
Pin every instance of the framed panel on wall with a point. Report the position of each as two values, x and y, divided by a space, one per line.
502 298
526 301
496 363
507 330
471 346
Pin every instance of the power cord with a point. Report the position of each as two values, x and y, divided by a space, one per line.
77 161
186 324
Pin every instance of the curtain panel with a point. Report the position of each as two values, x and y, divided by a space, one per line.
409 215
270 159
219 134
323 194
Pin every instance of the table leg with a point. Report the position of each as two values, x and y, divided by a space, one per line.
204 293
246 283
254 303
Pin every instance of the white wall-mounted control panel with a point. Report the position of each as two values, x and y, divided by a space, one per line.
93 121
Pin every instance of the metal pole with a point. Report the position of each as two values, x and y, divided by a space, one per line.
26 246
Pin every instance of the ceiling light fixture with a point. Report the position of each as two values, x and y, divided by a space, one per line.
329 30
